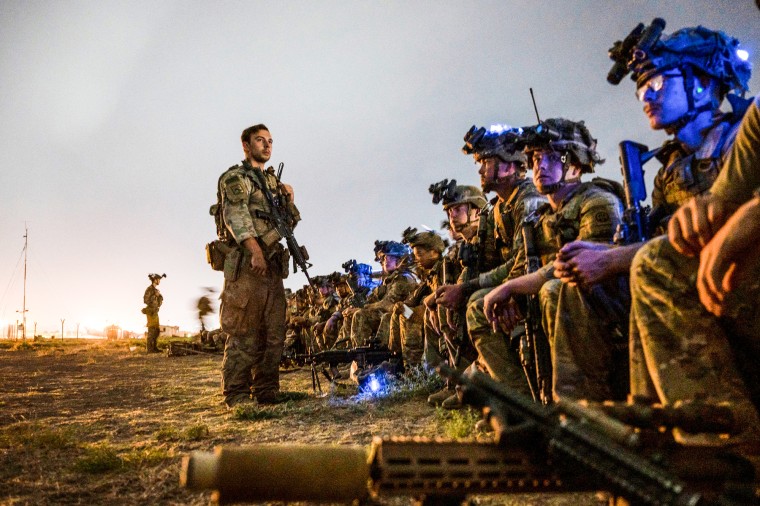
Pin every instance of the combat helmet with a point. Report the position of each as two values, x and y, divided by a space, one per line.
391 248
571 138
647 52
153 276
499 141
426 239
452 194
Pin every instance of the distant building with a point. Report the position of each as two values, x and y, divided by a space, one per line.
169 331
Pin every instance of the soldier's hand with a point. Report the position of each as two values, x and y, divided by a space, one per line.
431 315
450 296
509 318
349 311
496 301
728 258
331 324
582 262
429 302
695 223
258 263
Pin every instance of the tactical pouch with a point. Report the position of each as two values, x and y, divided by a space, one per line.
280 261
215 256
232 263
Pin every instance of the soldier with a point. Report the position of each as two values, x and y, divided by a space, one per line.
397 286
406 328
464 206
205 308
695 297
354 288
153 300
560 151
253 300
681 79
503 171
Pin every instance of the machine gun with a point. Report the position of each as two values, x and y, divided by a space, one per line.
282 217
563 447
372 354
535 353
636 225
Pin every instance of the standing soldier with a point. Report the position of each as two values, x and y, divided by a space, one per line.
253 300
153 300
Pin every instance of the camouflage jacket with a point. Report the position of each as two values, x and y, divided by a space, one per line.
152 299
509 216
245 207
396 287
591 212
430 279
684 174
487 243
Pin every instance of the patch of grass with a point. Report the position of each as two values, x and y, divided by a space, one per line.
254 412
167 433
99 459
35 436
457 423
145 457
196 432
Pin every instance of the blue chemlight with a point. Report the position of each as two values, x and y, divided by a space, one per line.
374 384
742 54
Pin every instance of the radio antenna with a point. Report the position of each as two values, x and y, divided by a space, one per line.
534 105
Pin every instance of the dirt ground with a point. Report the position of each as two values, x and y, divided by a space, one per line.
102 422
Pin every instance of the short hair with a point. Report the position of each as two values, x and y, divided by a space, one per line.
248 132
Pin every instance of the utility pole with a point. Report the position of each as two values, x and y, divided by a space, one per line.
35 329
23 308
77 330
62 320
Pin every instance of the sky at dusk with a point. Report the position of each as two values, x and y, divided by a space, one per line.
118 118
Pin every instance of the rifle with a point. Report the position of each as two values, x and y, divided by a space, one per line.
635 226
283 220
563 447
535 352
369 355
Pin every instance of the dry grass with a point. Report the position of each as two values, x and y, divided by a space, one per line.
92 422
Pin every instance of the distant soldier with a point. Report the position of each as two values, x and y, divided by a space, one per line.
153 300
205 308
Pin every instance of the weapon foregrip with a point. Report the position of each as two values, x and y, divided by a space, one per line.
279 473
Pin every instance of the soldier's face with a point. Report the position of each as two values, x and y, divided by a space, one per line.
389 263
425 257
547 168
461 217
664 99
259 148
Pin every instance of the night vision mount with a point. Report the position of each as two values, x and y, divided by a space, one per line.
625 53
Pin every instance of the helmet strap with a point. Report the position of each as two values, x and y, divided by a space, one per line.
693 112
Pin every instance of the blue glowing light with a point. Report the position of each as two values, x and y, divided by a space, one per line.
374 384
742 54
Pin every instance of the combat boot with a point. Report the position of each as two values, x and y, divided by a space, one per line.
437 398
454 401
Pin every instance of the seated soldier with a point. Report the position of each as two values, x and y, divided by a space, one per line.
406 334
445 330
397 284
560 151
695 297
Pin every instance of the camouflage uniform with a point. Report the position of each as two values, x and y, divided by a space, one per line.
253 306
583 325
681 351
494 348
396 287
153 300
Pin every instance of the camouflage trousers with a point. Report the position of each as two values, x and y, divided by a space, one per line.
495 351
406 332
587 330
365 324
253 315
681 352
151 340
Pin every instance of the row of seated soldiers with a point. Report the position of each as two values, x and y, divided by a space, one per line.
563 257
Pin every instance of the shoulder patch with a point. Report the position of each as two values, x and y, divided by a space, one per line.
235 188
